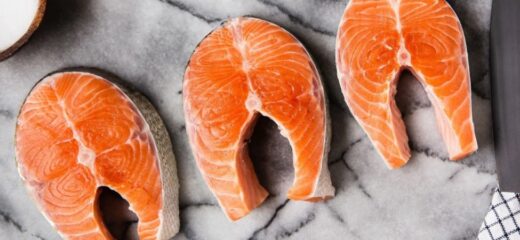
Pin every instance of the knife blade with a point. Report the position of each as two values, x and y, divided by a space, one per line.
505 90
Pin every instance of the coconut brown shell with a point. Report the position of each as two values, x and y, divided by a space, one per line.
34 25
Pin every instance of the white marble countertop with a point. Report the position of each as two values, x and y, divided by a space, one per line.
148 43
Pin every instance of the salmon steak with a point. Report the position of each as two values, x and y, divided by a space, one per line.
244 68
77 132
376 40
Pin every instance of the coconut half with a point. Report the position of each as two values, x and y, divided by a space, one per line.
18 20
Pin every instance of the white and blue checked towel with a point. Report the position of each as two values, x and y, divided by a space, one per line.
502 222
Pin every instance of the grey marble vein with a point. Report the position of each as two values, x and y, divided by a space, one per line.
181 6
8 220
297 19
270 221
148 43
289 232
6 113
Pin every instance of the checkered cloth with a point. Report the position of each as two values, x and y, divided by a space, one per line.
502 222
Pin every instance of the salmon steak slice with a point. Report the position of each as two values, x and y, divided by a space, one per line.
78 132
376 40
244 68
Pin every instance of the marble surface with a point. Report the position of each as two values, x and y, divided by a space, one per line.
148 42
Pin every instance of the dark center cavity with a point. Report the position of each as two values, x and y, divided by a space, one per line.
120 221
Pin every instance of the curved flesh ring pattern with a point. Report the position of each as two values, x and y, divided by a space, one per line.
77 132
375 41
244 68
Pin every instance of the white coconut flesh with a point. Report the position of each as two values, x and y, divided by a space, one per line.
16 18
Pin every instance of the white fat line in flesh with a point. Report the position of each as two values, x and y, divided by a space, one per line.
464 56
461 88
254 103
62 235
230 194
161 220
77 210
402 155
133 135
148 223
219 164
77 234
225 179
451 123
146 129
455 78
238 42
339 37
32 193
395 7
284 132
366 127
443 123
86 217
242 197
323 170
199 159
403 56
396 122
86 156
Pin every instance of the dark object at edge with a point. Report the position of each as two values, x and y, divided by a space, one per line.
505 87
